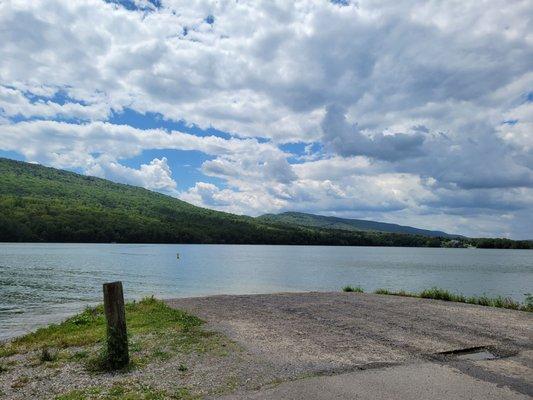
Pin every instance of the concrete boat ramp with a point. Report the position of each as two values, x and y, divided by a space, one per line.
366 346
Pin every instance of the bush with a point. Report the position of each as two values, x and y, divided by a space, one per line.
48 355
355 289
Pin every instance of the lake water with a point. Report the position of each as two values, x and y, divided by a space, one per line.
42 283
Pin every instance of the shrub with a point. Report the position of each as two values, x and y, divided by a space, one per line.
48 355
355 289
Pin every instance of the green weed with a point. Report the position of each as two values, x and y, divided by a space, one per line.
355 289
444 295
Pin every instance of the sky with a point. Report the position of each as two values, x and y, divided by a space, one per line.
417 113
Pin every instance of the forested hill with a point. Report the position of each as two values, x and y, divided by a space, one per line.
45 204
322 221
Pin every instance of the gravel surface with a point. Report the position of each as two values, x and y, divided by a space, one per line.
303 334
27 378
280 340
219 369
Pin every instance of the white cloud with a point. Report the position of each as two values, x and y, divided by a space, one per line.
14 103
418 110
269 68
346 139
155 176
517 127
65 144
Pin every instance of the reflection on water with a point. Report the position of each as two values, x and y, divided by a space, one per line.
41 283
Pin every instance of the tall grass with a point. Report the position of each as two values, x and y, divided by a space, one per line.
354 289
528 303
441 294
444 295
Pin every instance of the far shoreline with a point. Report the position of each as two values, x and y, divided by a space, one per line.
269 244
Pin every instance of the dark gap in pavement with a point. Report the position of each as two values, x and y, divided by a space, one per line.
470 351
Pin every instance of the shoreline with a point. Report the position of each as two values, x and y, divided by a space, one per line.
269 345
451 298
348 289
274 244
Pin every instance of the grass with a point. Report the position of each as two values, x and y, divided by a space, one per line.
354 289
127 390
155 332
528 302
399 293
441 294
444 295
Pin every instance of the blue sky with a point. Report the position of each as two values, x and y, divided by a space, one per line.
397 111
184 164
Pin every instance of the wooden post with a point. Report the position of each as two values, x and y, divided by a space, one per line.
117 337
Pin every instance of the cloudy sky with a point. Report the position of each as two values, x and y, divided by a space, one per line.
411 112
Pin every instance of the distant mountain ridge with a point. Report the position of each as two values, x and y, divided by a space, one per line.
42 204
348 224
45 204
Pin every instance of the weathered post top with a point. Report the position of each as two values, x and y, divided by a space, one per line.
117 336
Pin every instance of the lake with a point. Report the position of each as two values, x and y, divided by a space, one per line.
43 283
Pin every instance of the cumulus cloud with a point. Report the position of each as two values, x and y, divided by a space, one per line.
242 201
97 147
346 139
266 167
409 111
13 103
155 176
43 140
273 81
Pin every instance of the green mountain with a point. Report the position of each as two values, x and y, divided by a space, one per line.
38 203
322 221
47 204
